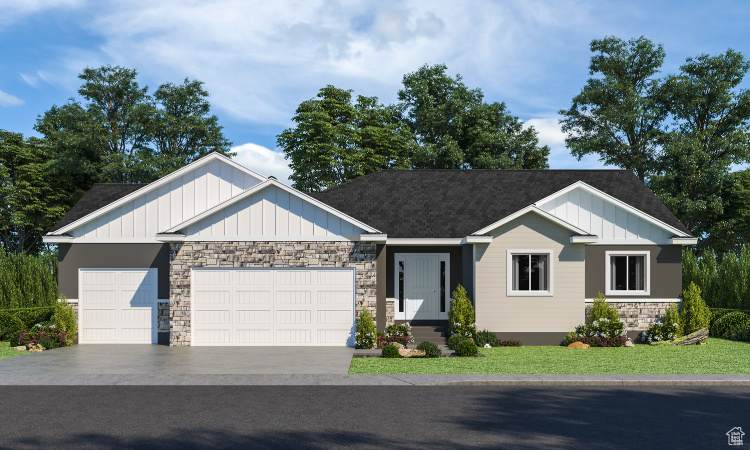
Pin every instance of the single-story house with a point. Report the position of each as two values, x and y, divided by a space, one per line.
217 254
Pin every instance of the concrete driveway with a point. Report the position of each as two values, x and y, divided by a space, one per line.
163 360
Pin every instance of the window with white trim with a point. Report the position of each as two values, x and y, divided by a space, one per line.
627 273
529 272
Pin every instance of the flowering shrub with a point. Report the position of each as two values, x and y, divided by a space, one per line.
400 333
366 335
600 333
509 343
662 330
46 336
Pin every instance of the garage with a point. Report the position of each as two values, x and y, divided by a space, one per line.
117 306
272 306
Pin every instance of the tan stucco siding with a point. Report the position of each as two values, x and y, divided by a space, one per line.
496 311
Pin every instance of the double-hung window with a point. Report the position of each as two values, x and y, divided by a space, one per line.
529 273
627 273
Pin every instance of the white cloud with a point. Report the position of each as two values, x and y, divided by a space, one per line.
14 11
551 135
9 100
263 160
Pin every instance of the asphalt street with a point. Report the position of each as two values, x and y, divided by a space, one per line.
438 417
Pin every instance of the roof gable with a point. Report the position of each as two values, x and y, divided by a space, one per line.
141 214
273 211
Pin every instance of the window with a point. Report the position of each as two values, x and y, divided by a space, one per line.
400 286
627 273
529 272
442 286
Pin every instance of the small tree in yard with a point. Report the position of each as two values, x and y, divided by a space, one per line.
695 312
461 314
366 335
603 310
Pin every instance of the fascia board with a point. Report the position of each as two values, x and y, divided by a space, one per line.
366 237
259 187
594 191
56 239
424 241
156 185
477 240
170 237
528 209
683 241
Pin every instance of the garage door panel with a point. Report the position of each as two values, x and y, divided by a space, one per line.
211 298
293 277
99 297
135 335
298 336
99 278
293 317
99 316
138 297
253 336
253 278
218 336
254 297
212 277
335 337
253 317
212 317
333 277
293 297
334 317
98 335
335 297
137 277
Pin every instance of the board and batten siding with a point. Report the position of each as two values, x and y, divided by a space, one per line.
603 218
497 312
170 204
272 213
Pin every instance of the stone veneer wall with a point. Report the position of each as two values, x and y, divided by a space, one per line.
188 255
163 317
637 315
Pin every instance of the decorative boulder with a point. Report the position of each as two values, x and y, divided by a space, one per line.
693 338
578 345
629 343
406 353
399 345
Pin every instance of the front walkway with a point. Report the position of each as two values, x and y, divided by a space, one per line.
162 360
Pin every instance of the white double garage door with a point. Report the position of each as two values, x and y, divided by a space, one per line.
228 306
272 306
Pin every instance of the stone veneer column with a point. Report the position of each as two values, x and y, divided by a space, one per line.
185 256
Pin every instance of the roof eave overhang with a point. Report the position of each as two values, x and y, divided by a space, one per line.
373 237
477 240
588 239
170 237
56 238
680 240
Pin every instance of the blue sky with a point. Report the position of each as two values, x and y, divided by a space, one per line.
260 60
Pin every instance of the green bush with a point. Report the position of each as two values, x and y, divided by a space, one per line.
461 314
599 333
724 282
64 318
366 336
430 350
454 340
27 281
485 337
466 348
390 351
603 310
14 321
673 318
721 327
662 330
718 313
740 332
695 313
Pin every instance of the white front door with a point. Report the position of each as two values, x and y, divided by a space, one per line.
421 283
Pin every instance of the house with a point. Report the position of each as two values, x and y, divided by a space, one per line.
217 254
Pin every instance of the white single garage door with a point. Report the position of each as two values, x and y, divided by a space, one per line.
272 306
117 306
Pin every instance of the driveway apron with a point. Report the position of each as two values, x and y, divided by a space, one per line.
163 360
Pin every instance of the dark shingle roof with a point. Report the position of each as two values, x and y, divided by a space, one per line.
457 203
99 196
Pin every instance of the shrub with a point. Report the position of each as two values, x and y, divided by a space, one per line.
466 348
509 343
366 336
14 321
454 340
486 337
722 326
46 336
672 316
430 350
461 314
740 332
662 330
400 333
64 318
603 310
390 351
695 313
27 281
600 333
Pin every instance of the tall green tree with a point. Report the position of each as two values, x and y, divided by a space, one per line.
456 129
619 113
30 201
335 140
730 230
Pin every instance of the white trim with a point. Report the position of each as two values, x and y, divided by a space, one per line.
248 238
628 242
54 239
155 185
635 211
424 241
367 237
474 274
607 272
170 237
477 240
509 273
639 300
683 241
584 239
70 301
259 187
534 209
82 240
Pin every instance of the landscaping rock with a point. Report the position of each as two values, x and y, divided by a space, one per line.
578 345
399 346
629 343
693 338
406 353
20 348
36 348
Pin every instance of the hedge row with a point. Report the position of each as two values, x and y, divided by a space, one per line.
724 282
27 281
18 319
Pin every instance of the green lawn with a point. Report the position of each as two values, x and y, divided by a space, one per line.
6 351
719 356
